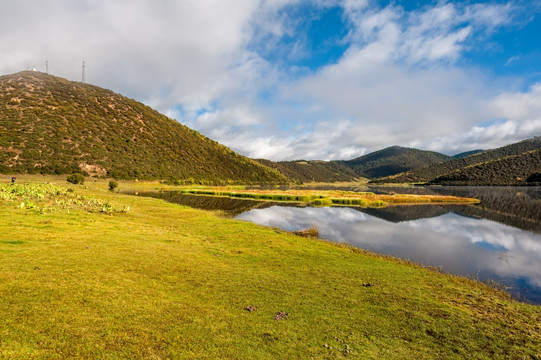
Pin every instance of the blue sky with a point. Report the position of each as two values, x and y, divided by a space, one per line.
295 79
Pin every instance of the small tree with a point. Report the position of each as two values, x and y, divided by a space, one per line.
112 185
76 178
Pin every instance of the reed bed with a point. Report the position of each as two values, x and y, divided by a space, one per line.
330 198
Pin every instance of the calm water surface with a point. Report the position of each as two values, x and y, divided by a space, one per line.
499 240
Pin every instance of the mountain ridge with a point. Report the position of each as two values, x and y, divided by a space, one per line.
51 125
392 160
302 171
499 159
509 170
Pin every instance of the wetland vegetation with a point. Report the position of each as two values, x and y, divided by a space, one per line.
327 197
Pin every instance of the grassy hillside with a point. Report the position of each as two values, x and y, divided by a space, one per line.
50 125
153 280
511 170
393 160
313 171
431 172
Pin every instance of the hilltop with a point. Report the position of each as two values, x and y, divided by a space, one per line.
393 160
313 171
508 165
50 125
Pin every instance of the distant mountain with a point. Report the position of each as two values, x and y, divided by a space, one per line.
456 171
467 153
313 171
51 125
393 160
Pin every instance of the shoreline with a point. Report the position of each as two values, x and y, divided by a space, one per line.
163 280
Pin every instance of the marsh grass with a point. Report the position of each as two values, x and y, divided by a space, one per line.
329 198
312 231
165 281
322 202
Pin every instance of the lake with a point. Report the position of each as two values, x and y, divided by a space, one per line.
498 240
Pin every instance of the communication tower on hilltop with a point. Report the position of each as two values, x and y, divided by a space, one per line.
46 66
83 76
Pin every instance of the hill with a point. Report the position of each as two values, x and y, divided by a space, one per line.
313 171
51 125
393 160
511 170
431 172
467 153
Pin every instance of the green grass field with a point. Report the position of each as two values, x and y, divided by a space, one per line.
146 279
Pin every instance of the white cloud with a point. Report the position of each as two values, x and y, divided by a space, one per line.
399 81
427 34
518 117
180 49
520 105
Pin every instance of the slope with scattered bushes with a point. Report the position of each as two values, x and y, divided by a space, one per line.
51 125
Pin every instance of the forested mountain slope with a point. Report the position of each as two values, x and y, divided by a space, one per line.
431 172
511 170
393 160
313 171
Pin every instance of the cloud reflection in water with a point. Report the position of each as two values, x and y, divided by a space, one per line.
458 244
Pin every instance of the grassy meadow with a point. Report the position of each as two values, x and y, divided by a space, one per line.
93 274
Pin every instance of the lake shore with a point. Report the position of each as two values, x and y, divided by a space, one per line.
152 279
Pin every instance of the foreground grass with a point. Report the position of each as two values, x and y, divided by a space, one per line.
163 281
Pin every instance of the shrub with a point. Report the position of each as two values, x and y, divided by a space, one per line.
310 232
112 185
76 178
322 202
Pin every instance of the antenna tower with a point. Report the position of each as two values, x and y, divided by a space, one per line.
46 66
83 76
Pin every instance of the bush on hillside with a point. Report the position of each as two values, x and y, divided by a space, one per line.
112 185
77 178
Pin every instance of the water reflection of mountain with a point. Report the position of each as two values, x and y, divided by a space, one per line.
398 214
230 206
519 207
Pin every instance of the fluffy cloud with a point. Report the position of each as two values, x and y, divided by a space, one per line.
516 116
209 64
180 51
